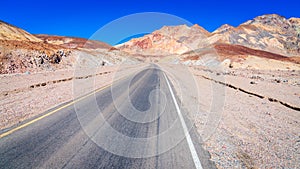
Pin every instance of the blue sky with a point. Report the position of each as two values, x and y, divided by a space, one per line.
83 18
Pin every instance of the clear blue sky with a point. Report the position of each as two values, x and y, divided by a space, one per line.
83 18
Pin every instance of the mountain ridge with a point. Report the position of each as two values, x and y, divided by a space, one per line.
269 37
272 33
22 52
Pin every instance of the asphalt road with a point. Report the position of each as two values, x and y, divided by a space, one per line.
135 123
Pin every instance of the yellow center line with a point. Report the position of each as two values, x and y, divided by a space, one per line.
56 110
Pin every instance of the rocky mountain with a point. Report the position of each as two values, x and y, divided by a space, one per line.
22 52
271 33
168 40
268 36
10 32
73 42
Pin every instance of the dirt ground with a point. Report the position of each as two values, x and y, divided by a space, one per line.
246 118
23 96
240 125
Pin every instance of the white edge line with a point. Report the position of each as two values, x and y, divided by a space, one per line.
185 130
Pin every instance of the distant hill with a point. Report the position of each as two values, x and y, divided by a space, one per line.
73 42
21 51
268 36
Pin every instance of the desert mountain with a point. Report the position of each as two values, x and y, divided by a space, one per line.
10 32
268 36
73 42
168 40
272 33
21 51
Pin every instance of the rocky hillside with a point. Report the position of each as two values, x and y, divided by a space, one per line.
73 42
10 32
168 40
268 36
22 52
271 33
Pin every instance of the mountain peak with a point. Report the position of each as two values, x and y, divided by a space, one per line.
268 19
198 27
223 28
167 40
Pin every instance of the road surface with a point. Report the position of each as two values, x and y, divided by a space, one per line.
142 107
